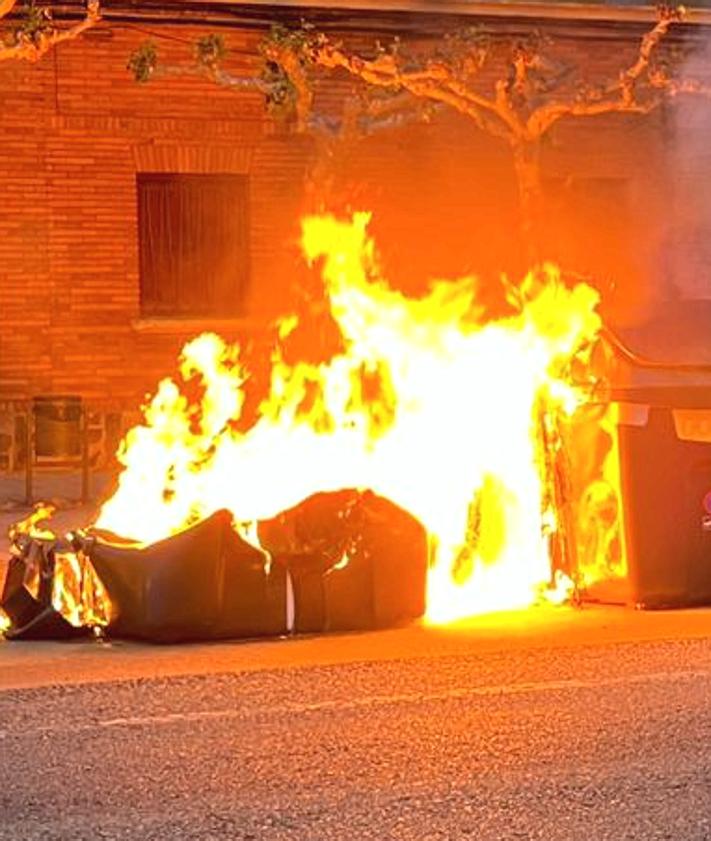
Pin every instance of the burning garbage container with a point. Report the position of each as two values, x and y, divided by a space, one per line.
57 423
28 593
203 583
357 561
338 561
661 381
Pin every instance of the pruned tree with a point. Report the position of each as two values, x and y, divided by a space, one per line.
514 90
34 31
519 103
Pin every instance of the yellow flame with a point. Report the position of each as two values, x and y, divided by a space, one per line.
429 404
602 549
77 592
32 524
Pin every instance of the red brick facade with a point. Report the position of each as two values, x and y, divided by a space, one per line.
76 129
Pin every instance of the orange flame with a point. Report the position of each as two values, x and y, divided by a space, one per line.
602 550
77 593
429 404
32 525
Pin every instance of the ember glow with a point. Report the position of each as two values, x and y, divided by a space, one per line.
451 414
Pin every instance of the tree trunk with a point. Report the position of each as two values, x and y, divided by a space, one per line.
530 193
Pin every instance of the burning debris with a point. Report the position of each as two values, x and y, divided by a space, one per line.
456 421
204 583
342 561
49 591
355 561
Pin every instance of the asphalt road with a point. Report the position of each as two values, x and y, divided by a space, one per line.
562 726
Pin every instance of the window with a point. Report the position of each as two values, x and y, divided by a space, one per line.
193 244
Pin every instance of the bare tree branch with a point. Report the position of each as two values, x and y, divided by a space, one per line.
525 102
215 74
650 42
524 105
619 97
677 87
545 117
32 47
435 81
530 93
292 65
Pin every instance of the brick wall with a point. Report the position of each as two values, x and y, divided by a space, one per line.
76 129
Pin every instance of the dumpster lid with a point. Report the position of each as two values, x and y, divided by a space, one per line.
677 333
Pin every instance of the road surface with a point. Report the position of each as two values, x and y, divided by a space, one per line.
559 725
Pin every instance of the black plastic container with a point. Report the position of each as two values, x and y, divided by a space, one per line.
666 485
203 583
662 383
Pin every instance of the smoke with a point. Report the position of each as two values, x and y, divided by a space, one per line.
688 242
670 313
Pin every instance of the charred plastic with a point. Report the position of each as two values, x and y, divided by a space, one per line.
341 561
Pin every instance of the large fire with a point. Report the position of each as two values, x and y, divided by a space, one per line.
454 415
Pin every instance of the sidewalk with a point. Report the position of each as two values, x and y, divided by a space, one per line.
510 637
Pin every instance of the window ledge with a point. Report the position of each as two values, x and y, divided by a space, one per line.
193 326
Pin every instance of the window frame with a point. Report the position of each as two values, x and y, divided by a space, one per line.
182 308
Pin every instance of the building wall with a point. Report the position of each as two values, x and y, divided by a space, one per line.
76 128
